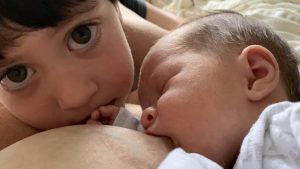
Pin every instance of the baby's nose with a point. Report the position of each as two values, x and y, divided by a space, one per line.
148 117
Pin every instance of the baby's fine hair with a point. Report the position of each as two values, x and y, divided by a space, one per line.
20 16
227 32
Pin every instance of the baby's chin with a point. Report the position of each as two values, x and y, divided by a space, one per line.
176 144
184 144
172 141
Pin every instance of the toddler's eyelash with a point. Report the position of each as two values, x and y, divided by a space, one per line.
2 75
4 69
3 72
98 35
88 23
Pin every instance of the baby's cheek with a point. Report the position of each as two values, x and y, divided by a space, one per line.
168 100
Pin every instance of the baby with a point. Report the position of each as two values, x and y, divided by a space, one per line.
205 84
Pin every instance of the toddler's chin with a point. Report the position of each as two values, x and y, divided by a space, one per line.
83 121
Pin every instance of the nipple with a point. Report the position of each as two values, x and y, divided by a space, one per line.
127 120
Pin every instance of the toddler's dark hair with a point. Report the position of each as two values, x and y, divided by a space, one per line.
20 16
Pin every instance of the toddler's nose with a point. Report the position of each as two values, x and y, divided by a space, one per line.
75 94
148 117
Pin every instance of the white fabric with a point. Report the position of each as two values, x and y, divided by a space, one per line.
179 159
282 15
272 143
274 140
127 120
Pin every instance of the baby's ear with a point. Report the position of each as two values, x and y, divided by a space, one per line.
262 71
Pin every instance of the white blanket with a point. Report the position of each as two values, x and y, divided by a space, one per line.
282 15
274 140
272 143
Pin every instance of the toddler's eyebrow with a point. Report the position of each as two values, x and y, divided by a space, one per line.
78 14
4 62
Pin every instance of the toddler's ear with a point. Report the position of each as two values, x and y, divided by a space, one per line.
262 71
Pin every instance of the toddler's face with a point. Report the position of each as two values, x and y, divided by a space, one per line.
194 97
58 76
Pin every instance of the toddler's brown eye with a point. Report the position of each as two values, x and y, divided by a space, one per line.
81 34
17 74
16 77
82 37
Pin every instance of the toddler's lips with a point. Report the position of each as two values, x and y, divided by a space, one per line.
83 121
112 102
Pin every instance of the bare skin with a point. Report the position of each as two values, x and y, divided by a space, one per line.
89 146
13 130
